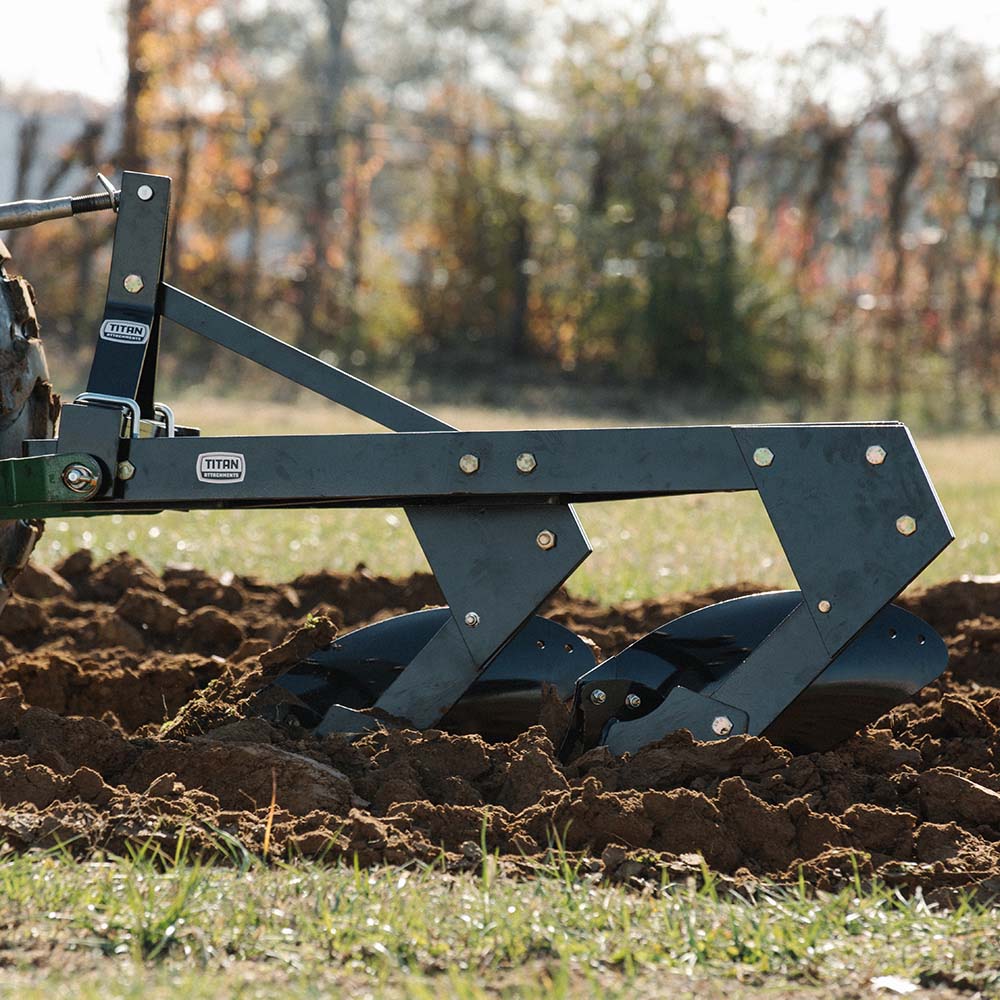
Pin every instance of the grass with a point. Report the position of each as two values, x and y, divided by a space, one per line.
124 929
642 548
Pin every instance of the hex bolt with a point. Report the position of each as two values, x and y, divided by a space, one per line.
633 701
471 619
763 457
546 539
823 607
598 697
126 470
133 283
722 725
875 454
469 464
525 462
906 525
81 479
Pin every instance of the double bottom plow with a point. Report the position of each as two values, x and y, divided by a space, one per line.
851 504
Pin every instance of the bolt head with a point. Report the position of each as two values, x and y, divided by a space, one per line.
823 607
133 284
875 455
598 697
126 470
633 701
546 539
906 525
722 725
763 457
145 193
81 479
469 464
525 462
471 619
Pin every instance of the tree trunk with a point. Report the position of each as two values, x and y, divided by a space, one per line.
178 195
317 225
896 341
985 353
323 166
138 23
520 252
27 150
255 202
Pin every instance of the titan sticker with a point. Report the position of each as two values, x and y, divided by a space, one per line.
124 331
221 467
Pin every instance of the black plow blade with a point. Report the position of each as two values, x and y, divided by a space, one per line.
504 701
623 702
891 659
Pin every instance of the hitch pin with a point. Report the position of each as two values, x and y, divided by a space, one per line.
20 214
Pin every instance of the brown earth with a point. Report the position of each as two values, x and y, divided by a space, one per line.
123 721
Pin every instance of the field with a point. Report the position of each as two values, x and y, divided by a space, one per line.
160 842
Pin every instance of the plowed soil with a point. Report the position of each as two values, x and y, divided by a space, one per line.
123 720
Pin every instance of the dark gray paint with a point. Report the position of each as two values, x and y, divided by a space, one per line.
139 246
833 513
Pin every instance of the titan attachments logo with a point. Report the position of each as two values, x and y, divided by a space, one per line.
124 331
221 467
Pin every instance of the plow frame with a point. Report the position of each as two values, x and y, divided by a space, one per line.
851 503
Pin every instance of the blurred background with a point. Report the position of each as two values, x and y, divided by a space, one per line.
673 210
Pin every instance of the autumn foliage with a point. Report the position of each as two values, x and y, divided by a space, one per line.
427 186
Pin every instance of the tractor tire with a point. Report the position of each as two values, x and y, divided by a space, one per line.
28 408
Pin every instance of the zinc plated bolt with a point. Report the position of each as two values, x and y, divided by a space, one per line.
875 454
525 462
471 619
763 457
722 725
126 470
546 539
81 479
823 607
145 193
133 283
469 464
598 697
633 701
906 525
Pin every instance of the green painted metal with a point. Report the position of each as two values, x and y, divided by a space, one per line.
33 487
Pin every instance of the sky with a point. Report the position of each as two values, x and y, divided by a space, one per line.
83 46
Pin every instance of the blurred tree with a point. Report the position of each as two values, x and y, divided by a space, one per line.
452 70
139 26
27 153
665 290
897 343
480 181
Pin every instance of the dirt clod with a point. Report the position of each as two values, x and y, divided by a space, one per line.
148 610
127 711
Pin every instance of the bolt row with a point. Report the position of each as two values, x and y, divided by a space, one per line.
722 725
133 283
525 463
875 454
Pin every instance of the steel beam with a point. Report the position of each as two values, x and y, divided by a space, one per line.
127 342
297 366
